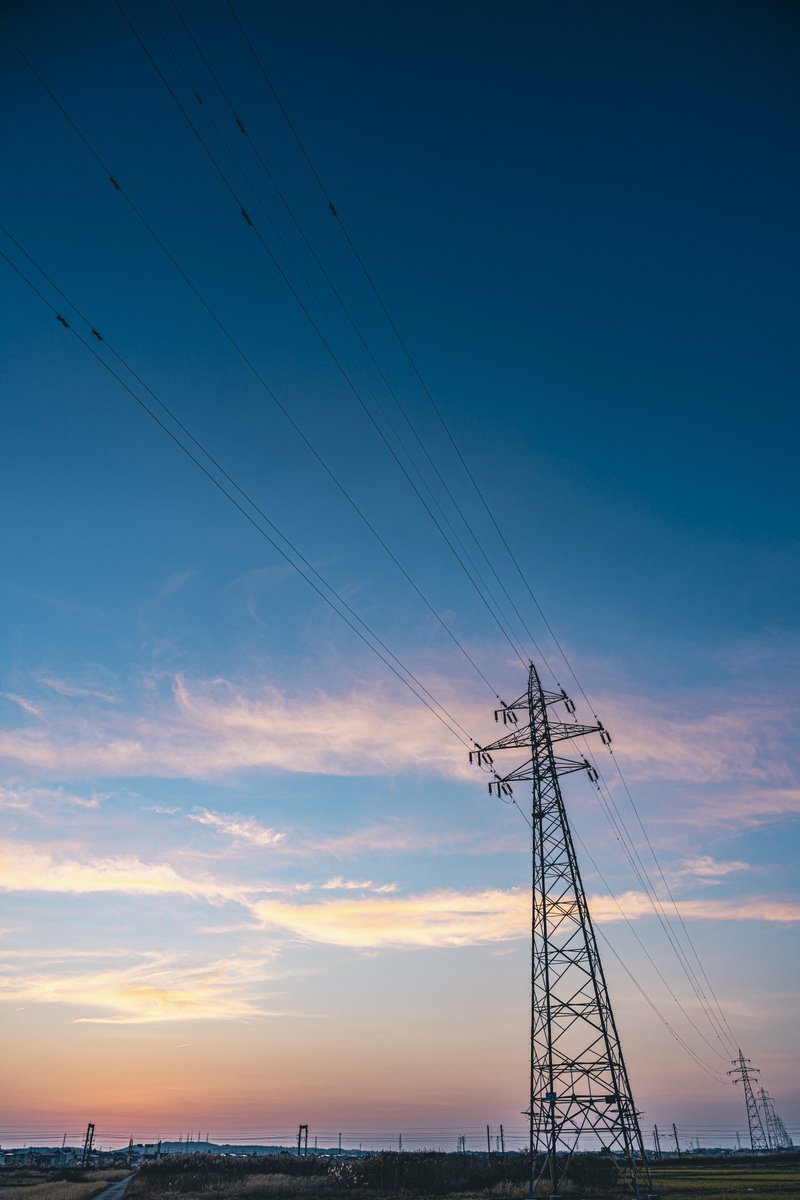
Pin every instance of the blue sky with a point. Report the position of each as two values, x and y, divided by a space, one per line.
221 813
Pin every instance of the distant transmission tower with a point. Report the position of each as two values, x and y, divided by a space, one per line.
87 1145
578 1081
742 1073
777 1137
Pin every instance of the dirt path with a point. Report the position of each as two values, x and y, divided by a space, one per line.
115 1191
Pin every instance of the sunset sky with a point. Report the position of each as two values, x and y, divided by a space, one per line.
248 878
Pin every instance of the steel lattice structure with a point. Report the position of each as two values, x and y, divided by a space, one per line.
579 1086
777 1137
742 1073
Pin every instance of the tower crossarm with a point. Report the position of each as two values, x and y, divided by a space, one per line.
507 713
520 738
561 730
499 784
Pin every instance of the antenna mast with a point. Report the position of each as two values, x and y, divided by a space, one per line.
579 1088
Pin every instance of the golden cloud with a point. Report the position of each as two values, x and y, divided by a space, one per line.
27 868
151 988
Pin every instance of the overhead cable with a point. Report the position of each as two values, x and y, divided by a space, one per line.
321 336
252 368
440 416
365 634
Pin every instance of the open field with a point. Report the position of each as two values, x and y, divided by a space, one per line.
36 1183
742 1178
424 1176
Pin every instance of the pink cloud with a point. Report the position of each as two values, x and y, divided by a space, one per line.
210 728
241 829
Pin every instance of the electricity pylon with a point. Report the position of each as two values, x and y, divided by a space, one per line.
742 1073
578 1080
87 1145
777 1137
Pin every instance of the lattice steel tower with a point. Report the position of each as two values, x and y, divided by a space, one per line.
742 1073
579 1086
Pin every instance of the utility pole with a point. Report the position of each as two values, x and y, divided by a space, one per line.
400 1144
87 1145
488 1142
738 1141
677 1143
340 1142
656 1142
301 1130
502 1141
130 1151
742 1073
578 1080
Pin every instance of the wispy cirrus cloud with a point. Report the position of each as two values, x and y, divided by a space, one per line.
708 869
40 799
339 884
29 867
441 918
26 867
240 828
64 687
636 905
668 740
148 987
451 918
204 729
175 582
742 806
24 703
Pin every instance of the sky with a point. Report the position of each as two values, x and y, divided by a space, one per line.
249 877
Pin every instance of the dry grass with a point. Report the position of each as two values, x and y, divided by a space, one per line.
770 1177
272 1185
61 1189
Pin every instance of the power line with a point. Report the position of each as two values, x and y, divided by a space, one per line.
619 828
253 369
709 1070
439 711
686 933
324 341
406 350
337 295
648 955
651 1003
340 301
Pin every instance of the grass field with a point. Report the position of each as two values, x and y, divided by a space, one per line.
433 1176
421 1177
742 1178
33 1183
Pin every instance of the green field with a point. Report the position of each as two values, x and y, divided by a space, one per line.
740 1178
